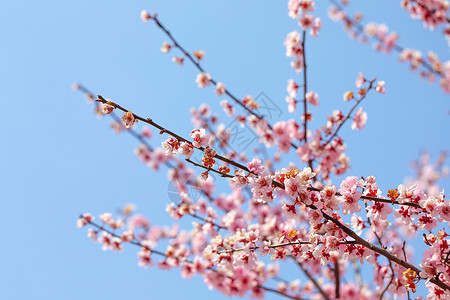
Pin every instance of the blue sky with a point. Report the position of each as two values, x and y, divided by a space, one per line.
58 160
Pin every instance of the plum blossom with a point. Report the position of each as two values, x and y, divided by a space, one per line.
292 88
240 179
380 87
200 137
199 54
360 80
359 120
186 149
348 96
220 89
291 104
406 194
178 60
350 202
128 119
145 16
255 166
312 98
227 108
203 80
166 47
107 109
171 146
84 220
315 27
306 21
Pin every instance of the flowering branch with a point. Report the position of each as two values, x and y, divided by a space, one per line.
360 30
196 63
162 254
164 130
358 101
274 246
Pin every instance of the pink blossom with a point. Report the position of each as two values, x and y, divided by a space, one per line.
359 120
289 211
178 60
348 96
146 132
330 202
306 21
92 234
316 27
227 108
350 202
293 45
297 65
107 109
128 119
186 149
166 48
220 89
200 137
84 219
357 224
138 221
379 211
144 258
315 217
292 88
170 146
406 194
240 179
360 80
312 98
127 236
350 184
106 240
444 211
426 221
203 80
255 166
291 104
380 87
117 127
145 16
107 218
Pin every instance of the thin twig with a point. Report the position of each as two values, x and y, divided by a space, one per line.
201 69
316 284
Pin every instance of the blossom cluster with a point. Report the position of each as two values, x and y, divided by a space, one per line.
275 212
431 12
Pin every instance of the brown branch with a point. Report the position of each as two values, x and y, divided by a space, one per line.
337 289
305 90
316 284
164 130
208 168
